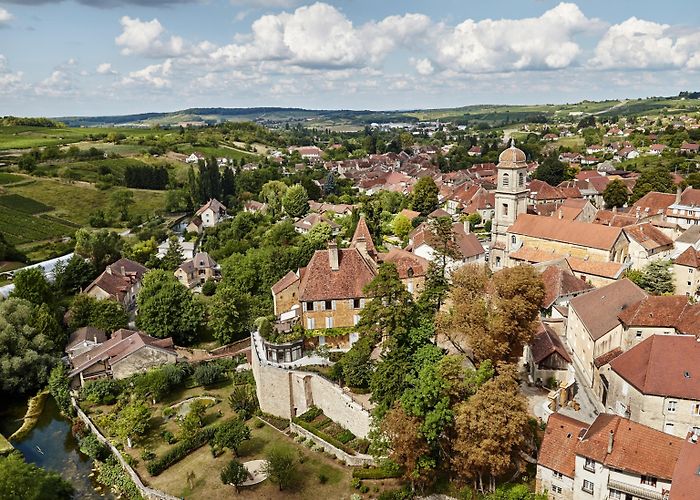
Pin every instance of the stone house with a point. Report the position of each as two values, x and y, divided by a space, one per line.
120 281
127 352
560 285
686 274
593 329
647 244
655 383
546 356
187 248
613 458
307 223
210 214
423 242
196 271
83 339
412 268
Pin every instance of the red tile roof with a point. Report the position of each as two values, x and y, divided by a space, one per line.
319 282
663 365
690 258
558 450
690 197
566 231
659 311
284 282
545 343
560 282
636 448
362 231
407 264
686 478
648 236
599 309
653 203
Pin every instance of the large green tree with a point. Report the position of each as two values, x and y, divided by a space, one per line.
119 202
280 467
107 315
101 247
132 422
425 195
229 313
77 273
616 194
551 170
296 201
31 285
272 193
22 481
168 309
652 179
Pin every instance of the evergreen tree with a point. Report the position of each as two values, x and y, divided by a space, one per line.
616 194
173 256
296 201
552 171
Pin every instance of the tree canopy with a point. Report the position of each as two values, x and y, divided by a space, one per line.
425 195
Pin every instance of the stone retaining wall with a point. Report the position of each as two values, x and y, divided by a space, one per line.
354 460
147 492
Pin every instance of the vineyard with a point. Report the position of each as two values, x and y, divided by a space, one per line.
22 227
23 204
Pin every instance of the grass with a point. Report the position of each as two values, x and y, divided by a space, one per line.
74 202
21 227
88 170
218 152
30 137
7 178
22 204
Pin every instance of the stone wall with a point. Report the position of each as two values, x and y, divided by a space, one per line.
354 460
141 360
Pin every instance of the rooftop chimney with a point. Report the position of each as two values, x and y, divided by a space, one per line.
678 195
466 227
611 439
123 270
561 214
614 209
361 245
333 255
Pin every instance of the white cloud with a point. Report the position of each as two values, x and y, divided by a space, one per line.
105 69
155 75
59 84
545 42
423 66
9 80
265 3
146 38
5 17
639 44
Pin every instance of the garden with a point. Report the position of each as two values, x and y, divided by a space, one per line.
316 422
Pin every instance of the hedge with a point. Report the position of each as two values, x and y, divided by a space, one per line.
181 450
327 438
375 473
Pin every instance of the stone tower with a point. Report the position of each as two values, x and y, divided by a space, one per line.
511 200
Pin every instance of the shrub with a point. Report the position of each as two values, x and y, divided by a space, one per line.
101 391
311 414
364 489
92 447
243 401
234 473
322 478
180 451
280 467
345 437
148 455
209 288
208 373
375 473
259 424
168 437
326 437
168 412
355 483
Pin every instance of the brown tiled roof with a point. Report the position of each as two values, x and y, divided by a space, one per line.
566 231
653 203
545 342
606 358
407 264
201 260
690 197
214 204
659 311
559 282
86 333
648 236
409 214
438 212
467 243
611 270
663 365
363 231
284 282
122 343
599 309
636 448
129 267
115 285
690 235
558 450
319 282
541 190
685 484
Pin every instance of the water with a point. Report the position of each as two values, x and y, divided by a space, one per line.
53 436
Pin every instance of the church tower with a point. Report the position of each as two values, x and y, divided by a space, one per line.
511 200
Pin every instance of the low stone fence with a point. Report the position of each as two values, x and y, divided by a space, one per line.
354 460
147 492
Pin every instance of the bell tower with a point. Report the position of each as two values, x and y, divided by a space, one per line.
510 199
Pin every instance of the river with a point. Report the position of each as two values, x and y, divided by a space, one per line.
52 435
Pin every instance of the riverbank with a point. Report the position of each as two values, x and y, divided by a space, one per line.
31 417
5 446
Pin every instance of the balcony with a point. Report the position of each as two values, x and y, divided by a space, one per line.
637 491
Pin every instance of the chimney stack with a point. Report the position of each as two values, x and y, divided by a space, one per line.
333 255
678 195
561 214
614 209
123 270
466 227
611 439
361 245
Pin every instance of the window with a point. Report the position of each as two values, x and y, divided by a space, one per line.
506 180
615 495
556 489
558 475
356 303
310 323
589 465
513 239
671 406
409 286
649 481
505 209
321 340
309 306
587 486
668 428
639 334
521 179
327 305
689 283
690 271
329 322
696 409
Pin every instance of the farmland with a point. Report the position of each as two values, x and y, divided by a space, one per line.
21 227
21 137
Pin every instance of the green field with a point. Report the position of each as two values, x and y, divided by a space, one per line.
7 178
218 152
22 204
89 170
19 137
75 202
21 227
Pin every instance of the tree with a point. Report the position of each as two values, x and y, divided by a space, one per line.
234 473
657 278
60 389
494 316
100 247
31 285
168 309
616 194
47 326
26 355
193 421
391 310
280 466
208 373
653 179
330 186
70 277
22 481
425 195
119 202
551 170
296 201
401 226
491 427
228 182
407 446
132 422
8 251
319 235
446 252
173 256
229 313
357 364
231 434
474 220
243 400
107 315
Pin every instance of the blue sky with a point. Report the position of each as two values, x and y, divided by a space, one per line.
92 57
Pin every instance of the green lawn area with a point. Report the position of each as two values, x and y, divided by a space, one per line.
21 137
7 178
218 152
76 201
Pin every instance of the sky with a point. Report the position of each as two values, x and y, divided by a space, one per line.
103 57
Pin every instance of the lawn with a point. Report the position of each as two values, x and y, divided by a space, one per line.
21 137
7 178
76 201
219 152
26 205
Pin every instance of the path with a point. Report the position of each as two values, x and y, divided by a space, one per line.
256 472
